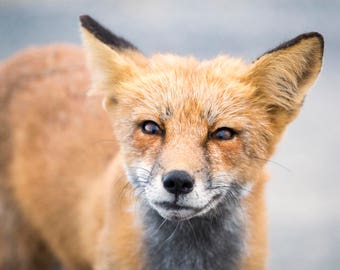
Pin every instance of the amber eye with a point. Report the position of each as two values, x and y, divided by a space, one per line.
223 133
151 128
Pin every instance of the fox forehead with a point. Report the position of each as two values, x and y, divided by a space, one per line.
260 98
185 88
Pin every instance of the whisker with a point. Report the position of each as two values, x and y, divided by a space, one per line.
160 226
274 162
123 192
172 234
142 174
193 232
143 180
233 196
218 187
131 190
141 169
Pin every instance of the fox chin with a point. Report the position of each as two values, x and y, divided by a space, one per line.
162 168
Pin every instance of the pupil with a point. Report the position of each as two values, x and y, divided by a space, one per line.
149 127
222 134
152 128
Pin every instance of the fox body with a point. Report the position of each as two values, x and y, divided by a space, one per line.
182 184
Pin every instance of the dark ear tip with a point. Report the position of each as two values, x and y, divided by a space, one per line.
104 35
312 35
85 20
297 40
83 17
315 35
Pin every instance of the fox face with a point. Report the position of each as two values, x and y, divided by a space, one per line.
196 134
193 137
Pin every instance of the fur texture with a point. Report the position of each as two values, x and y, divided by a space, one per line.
209 242
70 190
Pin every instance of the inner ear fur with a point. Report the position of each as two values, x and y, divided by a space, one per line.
283 75
111 59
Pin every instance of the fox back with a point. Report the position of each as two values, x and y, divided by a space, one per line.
184 191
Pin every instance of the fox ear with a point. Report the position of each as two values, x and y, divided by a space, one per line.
283 75
112 60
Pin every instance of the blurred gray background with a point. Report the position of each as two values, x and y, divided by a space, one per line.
303 194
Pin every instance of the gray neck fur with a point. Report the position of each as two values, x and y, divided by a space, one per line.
212 242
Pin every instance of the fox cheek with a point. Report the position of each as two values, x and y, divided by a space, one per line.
146 147
225 154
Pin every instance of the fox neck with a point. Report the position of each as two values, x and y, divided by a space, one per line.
201 243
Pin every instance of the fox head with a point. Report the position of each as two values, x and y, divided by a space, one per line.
195 134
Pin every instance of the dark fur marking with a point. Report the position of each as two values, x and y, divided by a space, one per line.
212 242
209 114
309 68
165 113
206 155
286 86
295 41
105 35
168 111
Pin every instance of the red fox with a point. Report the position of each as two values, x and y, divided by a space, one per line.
177 184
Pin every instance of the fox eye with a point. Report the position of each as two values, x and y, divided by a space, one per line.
151 128
223 133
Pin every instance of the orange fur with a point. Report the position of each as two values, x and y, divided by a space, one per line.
61 168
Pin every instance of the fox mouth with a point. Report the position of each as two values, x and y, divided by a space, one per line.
176 211
175 206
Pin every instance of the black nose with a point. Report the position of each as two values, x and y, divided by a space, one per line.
178 182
